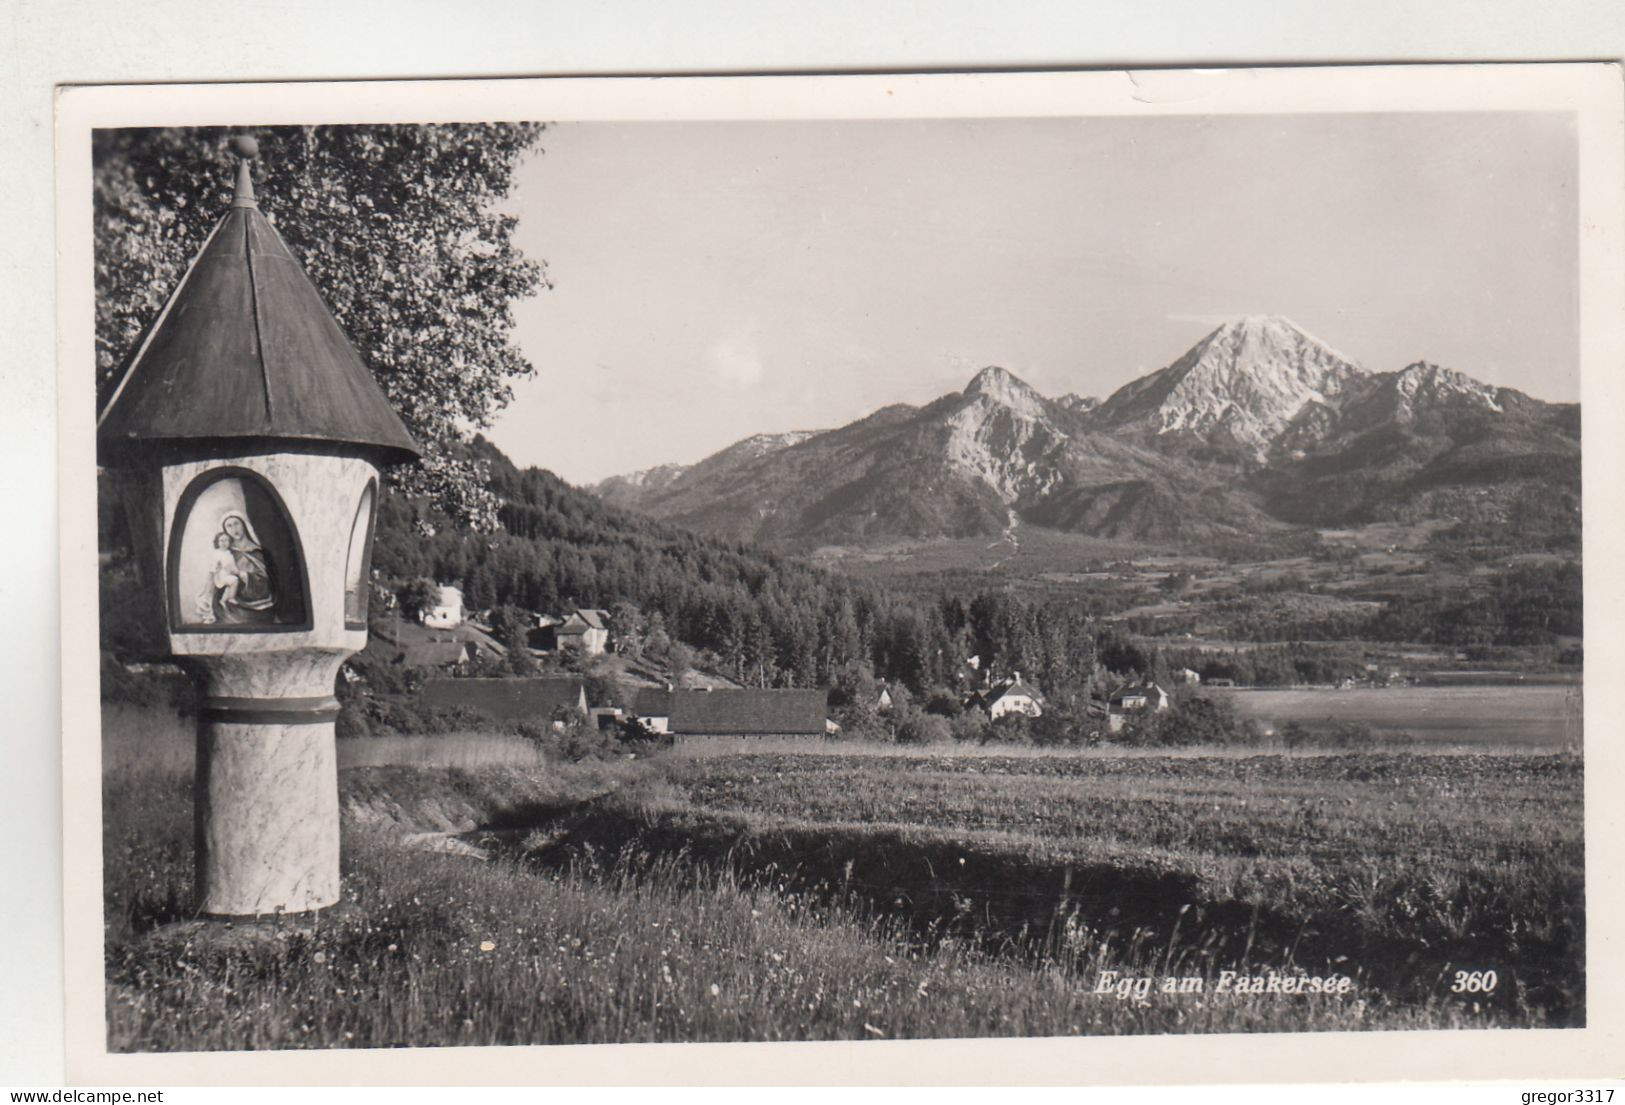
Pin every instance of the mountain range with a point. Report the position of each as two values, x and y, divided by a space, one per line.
1258 427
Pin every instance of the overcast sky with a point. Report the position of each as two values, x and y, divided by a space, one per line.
714 280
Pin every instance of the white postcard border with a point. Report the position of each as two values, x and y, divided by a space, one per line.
1592 91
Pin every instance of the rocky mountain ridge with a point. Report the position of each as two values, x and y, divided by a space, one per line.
1258 426
630 489
1240 386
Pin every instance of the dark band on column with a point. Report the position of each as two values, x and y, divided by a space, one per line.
271 711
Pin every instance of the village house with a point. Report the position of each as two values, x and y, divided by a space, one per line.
1132 699
425 648
1188 676
447 611
438 654
1012 696
883 700
746 712
585 630
542 698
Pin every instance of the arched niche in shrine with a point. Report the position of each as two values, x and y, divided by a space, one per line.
235 561
358 560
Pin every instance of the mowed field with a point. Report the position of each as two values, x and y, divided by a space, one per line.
838 893
1536 716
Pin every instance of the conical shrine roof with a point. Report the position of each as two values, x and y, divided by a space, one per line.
245 353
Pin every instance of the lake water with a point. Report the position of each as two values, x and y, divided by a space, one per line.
1536 716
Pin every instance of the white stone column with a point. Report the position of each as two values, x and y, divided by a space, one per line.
266 787
266 797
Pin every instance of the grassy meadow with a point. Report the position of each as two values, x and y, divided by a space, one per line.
1534 715
756 893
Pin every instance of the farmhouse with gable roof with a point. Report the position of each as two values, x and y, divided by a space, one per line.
1132 699
1012 696
585 630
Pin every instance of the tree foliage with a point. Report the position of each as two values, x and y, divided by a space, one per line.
402 231
1195 720
511 626
417 597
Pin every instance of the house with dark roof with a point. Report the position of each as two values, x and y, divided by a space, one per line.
1012 696
409 639
585 630
481 639
437 654
1132 699
542 698
746 712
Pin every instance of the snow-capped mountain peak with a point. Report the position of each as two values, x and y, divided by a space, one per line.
1258 423
1241 385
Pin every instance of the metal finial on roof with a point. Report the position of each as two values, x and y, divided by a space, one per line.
246 149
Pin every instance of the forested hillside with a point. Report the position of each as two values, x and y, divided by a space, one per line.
768 620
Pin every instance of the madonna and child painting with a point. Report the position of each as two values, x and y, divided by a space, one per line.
237 563
240 587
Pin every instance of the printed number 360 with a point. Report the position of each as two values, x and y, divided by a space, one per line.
1474 982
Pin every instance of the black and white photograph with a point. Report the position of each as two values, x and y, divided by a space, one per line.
1037 556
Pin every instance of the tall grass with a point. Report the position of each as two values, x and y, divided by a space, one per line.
156 738
778 897
139 739
440 951
460 750
1483 850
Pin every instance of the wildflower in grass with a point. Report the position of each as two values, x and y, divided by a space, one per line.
716 991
